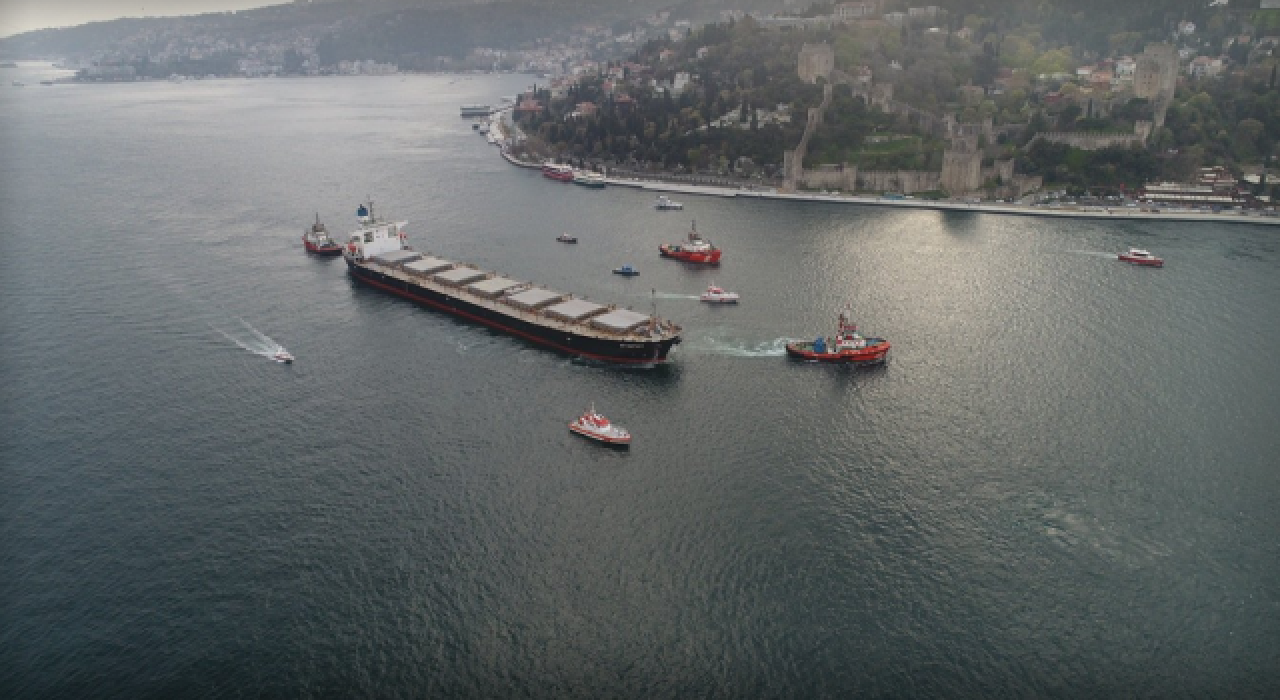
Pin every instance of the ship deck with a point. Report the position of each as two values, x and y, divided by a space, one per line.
581 327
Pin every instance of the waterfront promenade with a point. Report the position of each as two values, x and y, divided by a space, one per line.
1067 211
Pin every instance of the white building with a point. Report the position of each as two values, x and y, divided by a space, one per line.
1204 67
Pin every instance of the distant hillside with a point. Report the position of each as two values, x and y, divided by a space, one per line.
380 29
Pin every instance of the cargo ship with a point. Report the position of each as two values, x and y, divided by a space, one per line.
378 255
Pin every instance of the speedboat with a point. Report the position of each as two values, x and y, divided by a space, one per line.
626 271
283 357
717 295
1138 256
695 250
664 203
596 427
566 238
849 346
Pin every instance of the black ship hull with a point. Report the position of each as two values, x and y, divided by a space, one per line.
620 351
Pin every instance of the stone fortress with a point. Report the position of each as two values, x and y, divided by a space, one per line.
962 172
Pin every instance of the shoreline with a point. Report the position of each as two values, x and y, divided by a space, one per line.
1116 214
980 208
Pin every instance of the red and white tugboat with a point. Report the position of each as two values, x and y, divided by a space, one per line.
696 250
849 346
717 295
316 240
1138 256
596 427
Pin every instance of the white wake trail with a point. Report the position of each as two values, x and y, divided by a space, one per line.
769 348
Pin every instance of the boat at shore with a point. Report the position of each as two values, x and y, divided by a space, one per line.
665 203
475 110
317 240
717 295
1138 256
595 426
378 255
695 250
555 171
587 178
848 347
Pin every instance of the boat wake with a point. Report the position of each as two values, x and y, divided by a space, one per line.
710 346
665 295
252 340
1095 253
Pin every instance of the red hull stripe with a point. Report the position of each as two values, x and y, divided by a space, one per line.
601 438
508 329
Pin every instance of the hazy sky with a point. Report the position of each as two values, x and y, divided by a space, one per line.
17 16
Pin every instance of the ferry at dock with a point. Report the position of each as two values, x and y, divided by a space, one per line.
589 179
378 255
555 171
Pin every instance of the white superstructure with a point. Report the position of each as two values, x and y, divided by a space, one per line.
375 237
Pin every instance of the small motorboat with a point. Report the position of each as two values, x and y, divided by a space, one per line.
1138 256
596 427
566 238
665 203
849 346
717 295
283 357
626 270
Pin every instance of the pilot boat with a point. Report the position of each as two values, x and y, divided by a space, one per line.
717 295
596 427
849 346
1138 256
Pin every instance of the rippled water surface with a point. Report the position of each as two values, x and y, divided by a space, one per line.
1064 482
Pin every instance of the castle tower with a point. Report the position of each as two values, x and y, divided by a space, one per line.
816 61
962 166
1155 76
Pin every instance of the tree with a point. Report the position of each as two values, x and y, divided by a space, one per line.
1244 140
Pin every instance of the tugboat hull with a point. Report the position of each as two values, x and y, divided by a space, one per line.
711 257
872 354
320 249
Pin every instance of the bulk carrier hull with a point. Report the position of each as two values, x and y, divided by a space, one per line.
564 337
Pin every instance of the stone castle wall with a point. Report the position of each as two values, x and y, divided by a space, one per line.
1090 140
